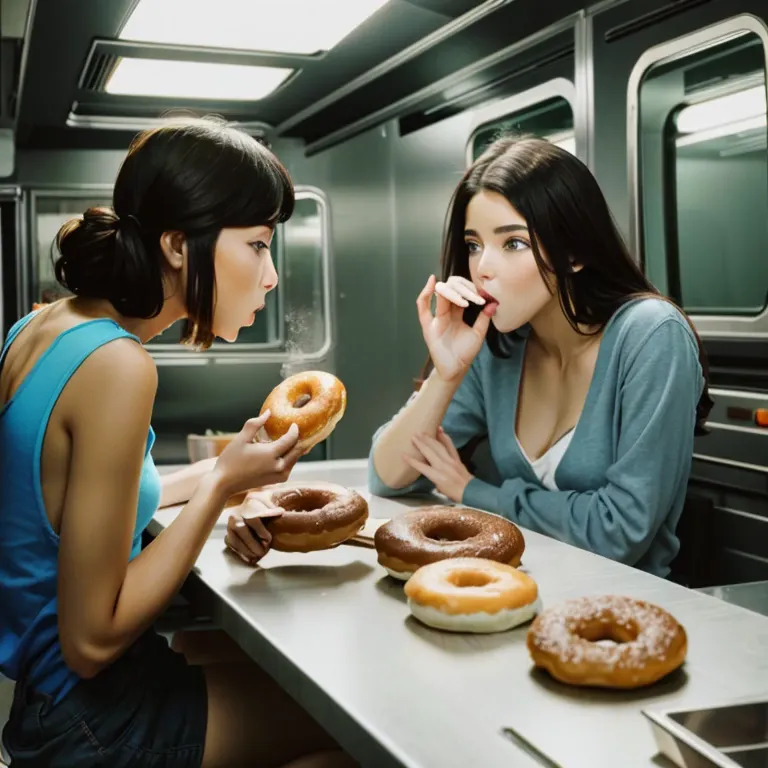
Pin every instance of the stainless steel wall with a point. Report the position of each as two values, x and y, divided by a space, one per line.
389 196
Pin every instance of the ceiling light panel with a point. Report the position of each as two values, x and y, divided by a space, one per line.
194 80
278 26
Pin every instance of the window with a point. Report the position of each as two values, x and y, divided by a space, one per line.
50 213
545 111
295 325
702 171
304 278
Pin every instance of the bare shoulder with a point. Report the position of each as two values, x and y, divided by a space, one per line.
122 358
120 373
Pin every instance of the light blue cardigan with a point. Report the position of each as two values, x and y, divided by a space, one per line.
623 477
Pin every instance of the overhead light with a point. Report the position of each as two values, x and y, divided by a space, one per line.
718 132
715 113
278 26
194 80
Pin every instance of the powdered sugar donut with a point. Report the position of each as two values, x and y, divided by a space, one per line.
607 641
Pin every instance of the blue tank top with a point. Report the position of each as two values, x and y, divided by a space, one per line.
29 547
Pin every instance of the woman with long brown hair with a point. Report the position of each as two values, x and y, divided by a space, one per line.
549 341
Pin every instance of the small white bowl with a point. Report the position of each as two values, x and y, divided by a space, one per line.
207 446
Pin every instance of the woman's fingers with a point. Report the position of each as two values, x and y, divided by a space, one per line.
423 303
442 436
257 528
449 292
242 542
430 449
483 322
466 288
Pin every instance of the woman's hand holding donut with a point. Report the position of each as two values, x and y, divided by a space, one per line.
247 536
246 464
440 462
453 344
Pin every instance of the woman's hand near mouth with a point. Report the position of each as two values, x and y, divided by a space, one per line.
452 344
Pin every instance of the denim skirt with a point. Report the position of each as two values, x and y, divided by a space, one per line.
148 709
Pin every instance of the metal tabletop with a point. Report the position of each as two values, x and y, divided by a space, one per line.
334 630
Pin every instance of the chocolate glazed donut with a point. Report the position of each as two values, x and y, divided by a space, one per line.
315 518
423 536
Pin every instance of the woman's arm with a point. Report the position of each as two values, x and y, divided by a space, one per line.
180 485
422 414
105 601
653 458
453 346
457 407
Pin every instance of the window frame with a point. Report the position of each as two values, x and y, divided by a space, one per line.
709 325
175 354
559 86
9 193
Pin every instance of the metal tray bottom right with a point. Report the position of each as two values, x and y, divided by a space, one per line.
727 736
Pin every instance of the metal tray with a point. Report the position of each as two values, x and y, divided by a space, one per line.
727 736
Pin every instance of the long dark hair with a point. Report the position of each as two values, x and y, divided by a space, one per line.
195 176
568 216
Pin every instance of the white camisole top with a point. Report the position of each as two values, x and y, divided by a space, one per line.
546 465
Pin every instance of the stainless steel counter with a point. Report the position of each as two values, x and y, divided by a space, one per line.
335 632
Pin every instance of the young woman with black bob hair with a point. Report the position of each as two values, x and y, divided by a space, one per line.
590 386
195 207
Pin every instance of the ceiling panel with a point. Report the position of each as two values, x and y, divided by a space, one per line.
63 34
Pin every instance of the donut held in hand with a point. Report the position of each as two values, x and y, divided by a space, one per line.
314 400
315 518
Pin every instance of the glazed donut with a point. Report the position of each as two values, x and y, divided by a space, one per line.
314 400
470 594
315 518
422 536
607 642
